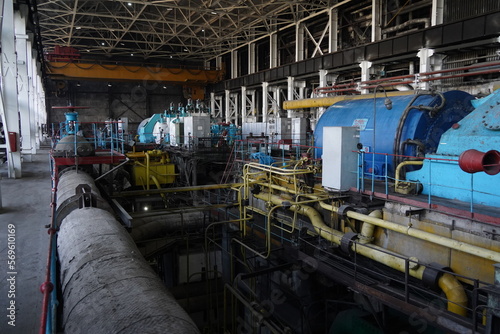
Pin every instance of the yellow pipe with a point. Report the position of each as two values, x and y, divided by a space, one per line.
437 239
454 291
408 230
328 101
372 252
405 163
157 183
147 170
135 155
366 235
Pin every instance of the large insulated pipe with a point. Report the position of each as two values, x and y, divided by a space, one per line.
454 291
68 196
107 286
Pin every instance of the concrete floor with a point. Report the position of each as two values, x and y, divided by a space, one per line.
26 205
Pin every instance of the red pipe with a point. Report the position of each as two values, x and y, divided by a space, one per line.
47 286
425 74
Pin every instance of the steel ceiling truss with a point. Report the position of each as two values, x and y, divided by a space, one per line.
182 29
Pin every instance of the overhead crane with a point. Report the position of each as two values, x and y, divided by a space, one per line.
191 77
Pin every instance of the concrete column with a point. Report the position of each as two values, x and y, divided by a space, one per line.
276 100
265 105
33 107
365 73
437 12
218 62
40 93
299 41
227 109
243 104
273 50
376 20
322 78
252 67
9 88
333 17
426 62
290 95
23 86
212 105
234 64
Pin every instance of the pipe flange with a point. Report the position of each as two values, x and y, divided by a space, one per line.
346 242
432 273
344 209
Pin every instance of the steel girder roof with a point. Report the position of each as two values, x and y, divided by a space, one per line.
159 30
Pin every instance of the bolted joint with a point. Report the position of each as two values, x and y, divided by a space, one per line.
343 209
346 242
432 273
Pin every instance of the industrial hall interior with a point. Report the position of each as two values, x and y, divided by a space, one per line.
250 166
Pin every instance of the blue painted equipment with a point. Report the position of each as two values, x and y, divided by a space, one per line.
412 127
71 124
224 132
146 129
466 165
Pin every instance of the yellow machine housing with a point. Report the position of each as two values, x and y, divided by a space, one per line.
151 168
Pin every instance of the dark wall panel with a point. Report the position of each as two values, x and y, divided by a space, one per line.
474 28
453 33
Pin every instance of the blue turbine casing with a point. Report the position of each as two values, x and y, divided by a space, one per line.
441 175
417 125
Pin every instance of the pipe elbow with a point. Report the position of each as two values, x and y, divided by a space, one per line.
366 235
454 291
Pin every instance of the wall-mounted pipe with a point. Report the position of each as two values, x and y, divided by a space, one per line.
424 21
